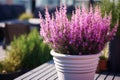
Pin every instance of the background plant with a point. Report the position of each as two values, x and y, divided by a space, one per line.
105 52
26 52
25 16
86 33
108 6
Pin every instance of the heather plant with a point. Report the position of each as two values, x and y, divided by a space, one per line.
85 33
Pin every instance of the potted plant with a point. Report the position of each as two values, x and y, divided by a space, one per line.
76 43
24 54
103 61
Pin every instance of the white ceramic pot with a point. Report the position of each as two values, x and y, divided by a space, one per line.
75 67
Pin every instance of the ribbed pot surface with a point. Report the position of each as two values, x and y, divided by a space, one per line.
75 67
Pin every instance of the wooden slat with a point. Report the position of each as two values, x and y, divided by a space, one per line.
102 76
96 75
46 74
117 77
34 70
54 76
39 72
110 76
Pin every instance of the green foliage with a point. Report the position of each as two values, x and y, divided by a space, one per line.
25 16
103 58
114 8
26 52
69 16
37 52
105 52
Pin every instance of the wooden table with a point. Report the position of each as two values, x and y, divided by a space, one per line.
47 72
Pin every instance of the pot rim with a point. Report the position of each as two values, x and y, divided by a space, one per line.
59 55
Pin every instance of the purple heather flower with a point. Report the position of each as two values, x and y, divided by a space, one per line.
86 33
